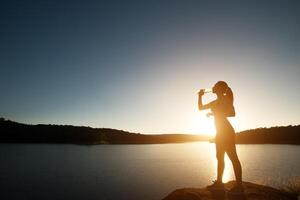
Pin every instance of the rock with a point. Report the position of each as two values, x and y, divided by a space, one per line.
251 192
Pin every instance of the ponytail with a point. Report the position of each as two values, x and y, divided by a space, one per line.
229 95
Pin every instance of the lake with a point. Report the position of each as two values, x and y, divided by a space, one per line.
148 172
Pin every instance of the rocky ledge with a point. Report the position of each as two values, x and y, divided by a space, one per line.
251 191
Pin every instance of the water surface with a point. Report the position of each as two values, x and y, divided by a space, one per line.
62 171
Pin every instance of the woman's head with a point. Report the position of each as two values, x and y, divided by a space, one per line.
223 90
220 87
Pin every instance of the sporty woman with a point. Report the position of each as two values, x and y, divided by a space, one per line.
222 108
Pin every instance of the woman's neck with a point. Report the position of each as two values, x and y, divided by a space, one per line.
220 96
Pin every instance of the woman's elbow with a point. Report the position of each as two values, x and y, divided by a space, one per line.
201 107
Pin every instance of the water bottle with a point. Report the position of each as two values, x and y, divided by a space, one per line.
207 90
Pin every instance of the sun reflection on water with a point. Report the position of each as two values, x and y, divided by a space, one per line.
228 173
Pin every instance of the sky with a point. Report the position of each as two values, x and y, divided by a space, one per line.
137 65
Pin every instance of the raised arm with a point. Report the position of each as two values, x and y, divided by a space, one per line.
200 104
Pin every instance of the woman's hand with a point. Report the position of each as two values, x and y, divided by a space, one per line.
201 92
209 114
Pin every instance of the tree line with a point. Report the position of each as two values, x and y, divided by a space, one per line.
274 135
14 132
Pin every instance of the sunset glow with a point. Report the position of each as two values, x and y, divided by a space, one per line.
138 67
202 124
143 100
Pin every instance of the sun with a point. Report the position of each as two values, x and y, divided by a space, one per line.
201 124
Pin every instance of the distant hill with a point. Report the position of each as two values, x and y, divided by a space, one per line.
14 132
273 135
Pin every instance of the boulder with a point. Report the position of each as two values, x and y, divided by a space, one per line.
252 191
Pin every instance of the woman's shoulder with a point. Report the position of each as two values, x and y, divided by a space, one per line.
219 103
214 103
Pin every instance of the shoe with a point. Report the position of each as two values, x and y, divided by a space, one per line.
215 186
237 189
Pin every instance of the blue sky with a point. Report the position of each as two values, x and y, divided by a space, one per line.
137 66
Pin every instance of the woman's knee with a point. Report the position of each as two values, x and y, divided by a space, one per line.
234 158
220 152
220 157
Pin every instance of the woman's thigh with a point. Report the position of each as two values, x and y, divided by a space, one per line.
231 151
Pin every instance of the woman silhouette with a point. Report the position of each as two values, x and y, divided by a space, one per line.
222 108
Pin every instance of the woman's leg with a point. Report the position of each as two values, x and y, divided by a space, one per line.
231 152
220 153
